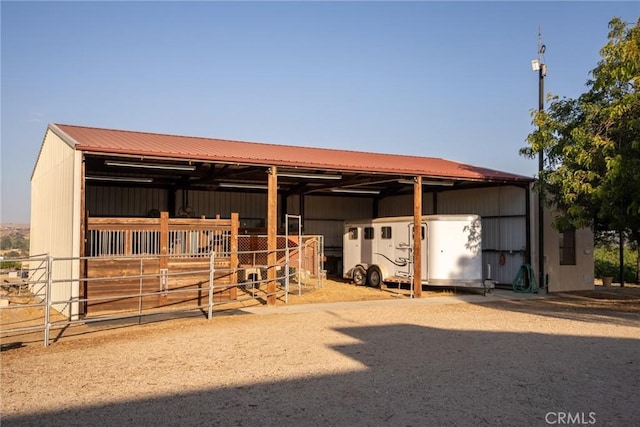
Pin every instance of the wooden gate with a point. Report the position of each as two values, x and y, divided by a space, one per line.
146 263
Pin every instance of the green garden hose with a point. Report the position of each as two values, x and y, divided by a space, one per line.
525 281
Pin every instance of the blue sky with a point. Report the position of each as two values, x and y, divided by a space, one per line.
436 79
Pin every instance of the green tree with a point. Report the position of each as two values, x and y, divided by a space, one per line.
5 242
591 144
19 242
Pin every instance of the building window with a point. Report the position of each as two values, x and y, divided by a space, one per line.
368 233
386 232
568 247
353 233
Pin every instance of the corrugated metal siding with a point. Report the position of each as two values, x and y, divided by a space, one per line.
493 201
55 193
338 208
503 274
293 205
403 205
332 232
212 203
124 201
512 200
504 233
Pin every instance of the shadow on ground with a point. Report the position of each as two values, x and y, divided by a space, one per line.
617 306
410 375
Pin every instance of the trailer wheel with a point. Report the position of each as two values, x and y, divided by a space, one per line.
359 276
374 277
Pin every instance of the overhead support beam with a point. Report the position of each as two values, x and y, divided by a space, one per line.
161 166
309 175
272 234
417 237
430 182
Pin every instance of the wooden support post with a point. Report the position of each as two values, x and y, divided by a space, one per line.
233 248
272 234
417 237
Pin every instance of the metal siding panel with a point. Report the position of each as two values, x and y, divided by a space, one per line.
118 201
52 210
503 274
326 207
494 201
482 201
506 234
513 233
293 205
332 232
512 201
403 205
491 234
210 203
396 206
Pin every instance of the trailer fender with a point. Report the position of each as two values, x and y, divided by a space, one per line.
357 274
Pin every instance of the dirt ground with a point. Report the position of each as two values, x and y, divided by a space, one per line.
450 358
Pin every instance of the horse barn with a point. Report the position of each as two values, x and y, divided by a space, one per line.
102 200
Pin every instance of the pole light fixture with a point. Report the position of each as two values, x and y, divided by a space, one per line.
539 66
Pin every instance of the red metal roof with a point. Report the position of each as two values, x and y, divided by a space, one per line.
123 142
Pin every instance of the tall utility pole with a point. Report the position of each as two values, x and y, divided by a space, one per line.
541 68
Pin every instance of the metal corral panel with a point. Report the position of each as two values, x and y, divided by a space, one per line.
55 214
124 201
340 208
212 203
403 205
494 201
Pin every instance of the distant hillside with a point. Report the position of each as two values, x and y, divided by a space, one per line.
12 225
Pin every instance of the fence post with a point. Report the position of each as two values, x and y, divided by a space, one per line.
212 258
233 256
140 290
286 271
47 301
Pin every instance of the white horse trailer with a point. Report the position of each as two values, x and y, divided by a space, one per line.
380 250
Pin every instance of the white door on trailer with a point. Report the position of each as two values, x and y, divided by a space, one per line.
368 244
454 250
425 250
352 246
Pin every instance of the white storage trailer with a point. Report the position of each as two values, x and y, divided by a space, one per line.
381 250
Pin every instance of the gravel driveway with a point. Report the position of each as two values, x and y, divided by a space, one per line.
449 361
